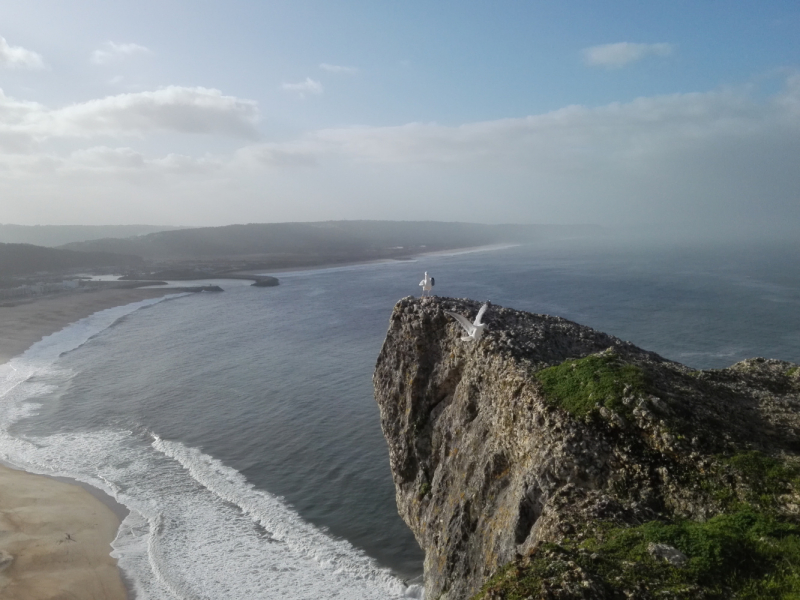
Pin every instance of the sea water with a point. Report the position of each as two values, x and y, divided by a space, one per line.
239 428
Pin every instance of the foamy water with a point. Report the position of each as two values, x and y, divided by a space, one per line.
197 529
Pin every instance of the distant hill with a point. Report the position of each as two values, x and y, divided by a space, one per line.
26 259
58 235
327 241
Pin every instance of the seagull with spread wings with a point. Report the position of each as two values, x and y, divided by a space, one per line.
474 330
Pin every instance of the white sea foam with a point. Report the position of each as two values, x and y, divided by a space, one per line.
197 528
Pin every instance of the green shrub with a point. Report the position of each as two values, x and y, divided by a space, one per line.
580 385
746 554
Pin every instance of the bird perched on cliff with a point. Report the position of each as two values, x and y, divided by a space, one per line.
474 330
427 284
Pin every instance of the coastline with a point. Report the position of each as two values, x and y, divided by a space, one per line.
24 322
55 533
376 261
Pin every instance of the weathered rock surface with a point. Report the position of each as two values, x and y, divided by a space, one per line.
510 451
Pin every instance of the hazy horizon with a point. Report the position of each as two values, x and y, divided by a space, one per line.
680 119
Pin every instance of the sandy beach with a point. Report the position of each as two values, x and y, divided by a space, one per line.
54 536
25 322
55 541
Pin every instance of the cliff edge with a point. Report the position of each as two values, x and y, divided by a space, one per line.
550 460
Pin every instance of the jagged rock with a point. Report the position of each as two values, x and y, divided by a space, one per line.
668 553
265 281
546 432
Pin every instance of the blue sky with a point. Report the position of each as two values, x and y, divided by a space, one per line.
207 113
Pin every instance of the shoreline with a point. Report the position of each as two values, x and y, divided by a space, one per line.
41 556
55 540
56 532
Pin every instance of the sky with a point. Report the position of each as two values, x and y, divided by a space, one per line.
674 114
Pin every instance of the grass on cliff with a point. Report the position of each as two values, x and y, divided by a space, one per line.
762 481
583 384
766 478
747 554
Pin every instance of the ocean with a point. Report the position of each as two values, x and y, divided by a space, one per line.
240 430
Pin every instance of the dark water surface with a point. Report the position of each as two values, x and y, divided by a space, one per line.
275 383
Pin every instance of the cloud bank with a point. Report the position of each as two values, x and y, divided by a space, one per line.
16 57
703 159
309 86
111 52
614 56
172 109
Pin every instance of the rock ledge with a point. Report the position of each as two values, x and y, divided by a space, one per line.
552 456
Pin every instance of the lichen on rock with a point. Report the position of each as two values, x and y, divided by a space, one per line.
550 459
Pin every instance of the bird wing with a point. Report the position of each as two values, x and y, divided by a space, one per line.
433 282
480 313
422 282
461 321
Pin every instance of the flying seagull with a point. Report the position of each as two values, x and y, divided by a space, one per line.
427 284
474 330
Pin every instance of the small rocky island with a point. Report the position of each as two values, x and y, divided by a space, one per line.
550 460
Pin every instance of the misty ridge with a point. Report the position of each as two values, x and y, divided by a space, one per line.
58 235
257 246
26 259
328 240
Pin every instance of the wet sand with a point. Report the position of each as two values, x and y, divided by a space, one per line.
25 322
55 536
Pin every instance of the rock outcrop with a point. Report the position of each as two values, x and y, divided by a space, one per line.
550 460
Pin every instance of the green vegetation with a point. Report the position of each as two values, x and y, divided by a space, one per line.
517 581
792 371
424 489
766 477
745 554
583 384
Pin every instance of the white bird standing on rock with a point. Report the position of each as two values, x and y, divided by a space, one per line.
427 284
474 330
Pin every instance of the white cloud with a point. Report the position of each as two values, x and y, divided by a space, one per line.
703 158
102 159
111 52
309 86
277 155
614 56
16 57
338 69
171 109
570 136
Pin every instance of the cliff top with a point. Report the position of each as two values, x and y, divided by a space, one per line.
547 440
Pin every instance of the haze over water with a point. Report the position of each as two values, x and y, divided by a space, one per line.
199 412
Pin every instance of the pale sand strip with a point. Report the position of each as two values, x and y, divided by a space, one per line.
25 322
55 537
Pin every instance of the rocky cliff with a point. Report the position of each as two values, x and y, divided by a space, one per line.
550 460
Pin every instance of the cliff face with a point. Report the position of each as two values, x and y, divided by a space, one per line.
529 456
